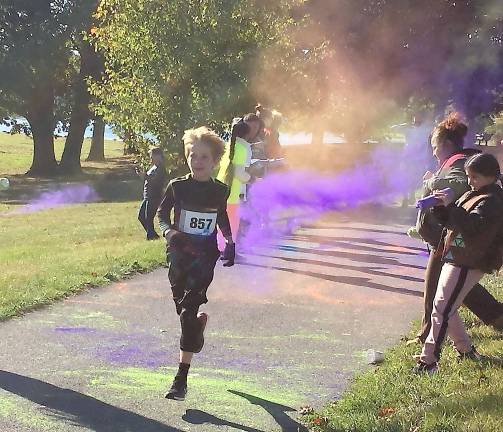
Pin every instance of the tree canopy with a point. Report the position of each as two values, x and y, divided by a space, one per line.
171 65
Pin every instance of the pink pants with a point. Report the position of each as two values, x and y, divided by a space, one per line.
453 286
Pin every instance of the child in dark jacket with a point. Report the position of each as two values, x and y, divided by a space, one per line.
470 246
153 188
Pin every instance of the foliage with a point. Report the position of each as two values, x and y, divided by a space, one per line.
496 128
173 65
381 53
39 61
36 48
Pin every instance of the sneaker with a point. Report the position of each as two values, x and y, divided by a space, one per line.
423 368
473 354
203 320
153 236
178 390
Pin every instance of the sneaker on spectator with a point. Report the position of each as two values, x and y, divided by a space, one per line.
423 368
473 354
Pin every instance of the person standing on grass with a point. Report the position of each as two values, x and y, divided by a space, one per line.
471 245
153 187
200 205
447 145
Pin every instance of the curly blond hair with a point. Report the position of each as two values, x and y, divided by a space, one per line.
207 136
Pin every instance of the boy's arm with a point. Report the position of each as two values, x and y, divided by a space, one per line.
164 211
224 224
229 254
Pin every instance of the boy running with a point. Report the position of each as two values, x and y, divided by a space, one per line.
200 204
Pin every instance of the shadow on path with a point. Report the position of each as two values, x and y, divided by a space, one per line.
79 409
198 417
343 227
346 241
365 258
369 270
277 411
347 280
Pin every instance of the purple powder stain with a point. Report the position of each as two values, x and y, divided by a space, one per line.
134 355
68 195
122 349
140 350
75 330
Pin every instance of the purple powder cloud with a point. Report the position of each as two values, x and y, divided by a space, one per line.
281 202
74 194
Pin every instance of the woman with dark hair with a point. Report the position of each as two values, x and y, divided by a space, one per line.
447 145
470 246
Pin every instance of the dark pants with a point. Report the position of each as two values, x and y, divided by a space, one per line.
191 269
478 300
146 215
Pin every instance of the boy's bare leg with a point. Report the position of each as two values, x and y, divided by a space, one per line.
186 357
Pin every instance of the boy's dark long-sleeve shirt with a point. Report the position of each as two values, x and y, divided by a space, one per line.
199 206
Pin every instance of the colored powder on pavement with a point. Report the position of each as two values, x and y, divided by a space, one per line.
124 349
212 384
75 329
97 319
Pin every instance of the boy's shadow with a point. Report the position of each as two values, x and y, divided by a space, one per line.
277 411
77 408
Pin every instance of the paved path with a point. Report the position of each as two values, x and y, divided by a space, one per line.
287 328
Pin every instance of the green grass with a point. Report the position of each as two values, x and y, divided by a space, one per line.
462 397
53 253
16 152
50 254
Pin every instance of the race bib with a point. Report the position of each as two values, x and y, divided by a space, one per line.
198 223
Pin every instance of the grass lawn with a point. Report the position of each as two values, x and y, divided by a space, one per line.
462 397
16 152
50 254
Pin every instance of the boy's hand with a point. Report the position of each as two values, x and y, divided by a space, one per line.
229 254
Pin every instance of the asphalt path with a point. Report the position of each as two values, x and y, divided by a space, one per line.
289 326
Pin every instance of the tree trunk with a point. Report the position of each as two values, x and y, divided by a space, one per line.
97 152
70 161
41 119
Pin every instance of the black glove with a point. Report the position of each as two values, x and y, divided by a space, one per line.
229 254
